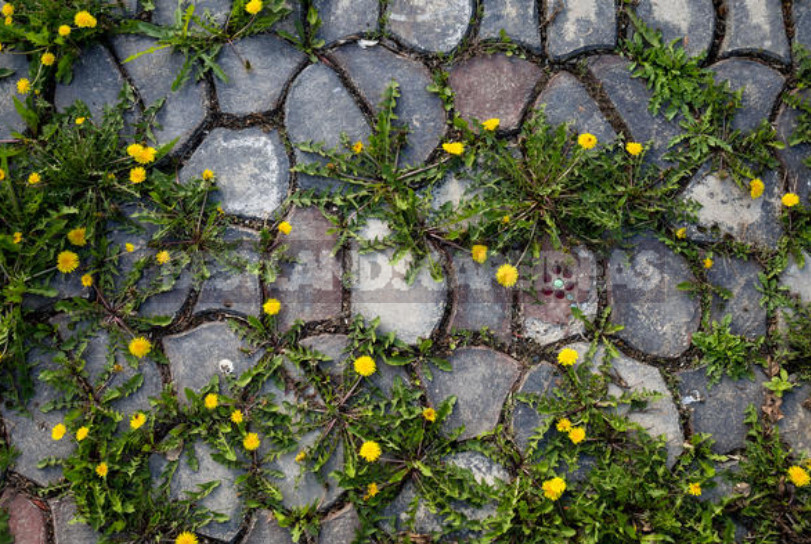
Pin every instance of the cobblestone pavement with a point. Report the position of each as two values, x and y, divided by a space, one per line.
567 61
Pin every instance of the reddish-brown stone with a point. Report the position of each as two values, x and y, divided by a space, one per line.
26 521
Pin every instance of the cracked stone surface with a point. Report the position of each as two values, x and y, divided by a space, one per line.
578 26
342 18
691 20
430 26
756 26
741 279
518 19
565 100
761 86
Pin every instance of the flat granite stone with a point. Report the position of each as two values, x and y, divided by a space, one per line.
741 279
340 527
541 381
799 175
153 74
343 18
798 278
480 300
372 68
659 319
195 355
578 26
480 380
272 62
761 86
565 100
265 530
318 109
309 288
66 286
10 121
727 209
251 168
164 13
756 26
97 82
801 12
429 25
518 19
167 303
692 20
26 522
720 409
563 280
494 86
233 290
224 499
630 97
62 512
795 427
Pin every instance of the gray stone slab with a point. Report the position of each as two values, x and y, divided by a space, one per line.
430 26
340 527
66 286
257 88
494 86
518 19
480 301
578 26
756 26
801 12
167 303
233 290
96 81
310 287
318 108
344 18
795 427
10 121
164 13
562 281
62 512
761 86
741 279
565 100
541 381
799 175
251 168
265 530
720 409
691 20
727 209
659 319
798 278
480 380
195 355
153 75
372 68
379 290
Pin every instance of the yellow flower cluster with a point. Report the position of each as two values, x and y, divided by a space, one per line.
141 154
78 236
162 257
102 469
491 124
84 19
454 148
251 442
48 59
285 228
371 491
58 431
799 476
237 417
82 433
756 188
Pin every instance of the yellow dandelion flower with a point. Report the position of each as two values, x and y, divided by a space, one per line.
82 433
140 347
251 441
365 365
162 257
253 7
491 124
48 59
64 30
756 188
84 19
77 236
87 280
694 488
633 148
146 156
564 425
138 175
137 420
272 306
80 121
371 491
186 538
429 414
34 178
58 431
798 476
507 275
2 172
207 175
135 150
681 233
479 253
370 451
567 357
18 237
708 262
454 148
577 435
9 21
237 417
8 10
586 140
129 248
790 200
357 147
102 469
67 262
506 219
211 401
554 488
301 456
285 228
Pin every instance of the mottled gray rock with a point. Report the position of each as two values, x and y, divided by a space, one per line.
720 409
802 22
563 280
340 527
795 427
10 121
565 100
310 287
318 108
265 530
630 97
379 290
761 86
741 279
729 209
494 86
756 26
230 289
342 18
195 355
540 381
481 301
798 278
153 75
223 499
480 380
692 20
251 168
799 175
164 13
258 88
659 319
63 511
578 26
96 81
428 25
518 19
66 286
172 297
371 69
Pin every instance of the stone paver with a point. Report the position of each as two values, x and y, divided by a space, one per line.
26 523
251 168
565 100
427 25
10 121
798 278
795 427
578 26
540 381
801 12
481 301
756 26
97 82
340 527
63 511
659 319
344 18
164 13
494 86
518 19
741 279
265 530
761 86
480 381
799 175
233 290
691 20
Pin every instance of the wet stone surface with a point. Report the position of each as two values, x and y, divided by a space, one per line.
578 26
761 86
518 19
343 18
691 20
756 26
565 100
740 278
430 26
